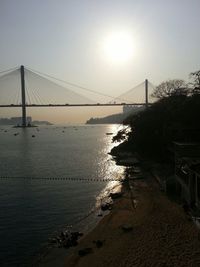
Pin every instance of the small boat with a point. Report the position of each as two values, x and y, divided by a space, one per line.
109 133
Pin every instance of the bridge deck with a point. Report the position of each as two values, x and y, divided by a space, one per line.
73 105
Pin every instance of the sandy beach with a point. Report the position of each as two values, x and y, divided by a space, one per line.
158 233
143 229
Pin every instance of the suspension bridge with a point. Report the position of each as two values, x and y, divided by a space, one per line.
23 88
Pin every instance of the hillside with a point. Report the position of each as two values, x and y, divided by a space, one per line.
170 119
115 118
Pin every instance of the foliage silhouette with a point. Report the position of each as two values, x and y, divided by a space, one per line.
173 118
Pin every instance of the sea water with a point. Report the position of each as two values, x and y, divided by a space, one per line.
50 178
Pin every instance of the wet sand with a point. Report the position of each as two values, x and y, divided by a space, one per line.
161 234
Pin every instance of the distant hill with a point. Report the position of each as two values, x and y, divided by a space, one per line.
115 118
17 121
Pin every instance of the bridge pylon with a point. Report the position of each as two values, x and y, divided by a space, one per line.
23 96
146 93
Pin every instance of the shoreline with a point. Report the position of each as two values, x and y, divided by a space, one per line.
53 254
157 233
144 228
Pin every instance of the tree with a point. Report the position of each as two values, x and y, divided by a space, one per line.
196 81
169 88
173 118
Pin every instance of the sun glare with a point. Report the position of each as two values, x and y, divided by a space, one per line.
118 47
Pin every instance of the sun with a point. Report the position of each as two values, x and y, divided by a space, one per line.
118 47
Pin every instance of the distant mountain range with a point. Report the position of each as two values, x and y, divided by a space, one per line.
115 118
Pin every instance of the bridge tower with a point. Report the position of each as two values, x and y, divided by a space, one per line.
146 93
23 96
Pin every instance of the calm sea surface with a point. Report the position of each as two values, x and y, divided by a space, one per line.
31 209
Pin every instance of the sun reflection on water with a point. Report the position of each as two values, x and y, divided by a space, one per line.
104 196
108 168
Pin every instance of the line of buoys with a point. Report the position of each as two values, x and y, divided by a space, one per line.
59 178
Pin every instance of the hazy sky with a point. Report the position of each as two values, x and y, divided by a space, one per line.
66 39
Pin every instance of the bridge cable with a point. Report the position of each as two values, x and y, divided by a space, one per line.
34 98
35 92
37 97
130 91
54 83
5 79
28 95
15 97
9 70
75 85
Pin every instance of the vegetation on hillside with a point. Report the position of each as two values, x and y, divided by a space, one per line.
114 118
173 117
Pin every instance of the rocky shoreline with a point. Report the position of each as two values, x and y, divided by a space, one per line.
63 242
143 228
